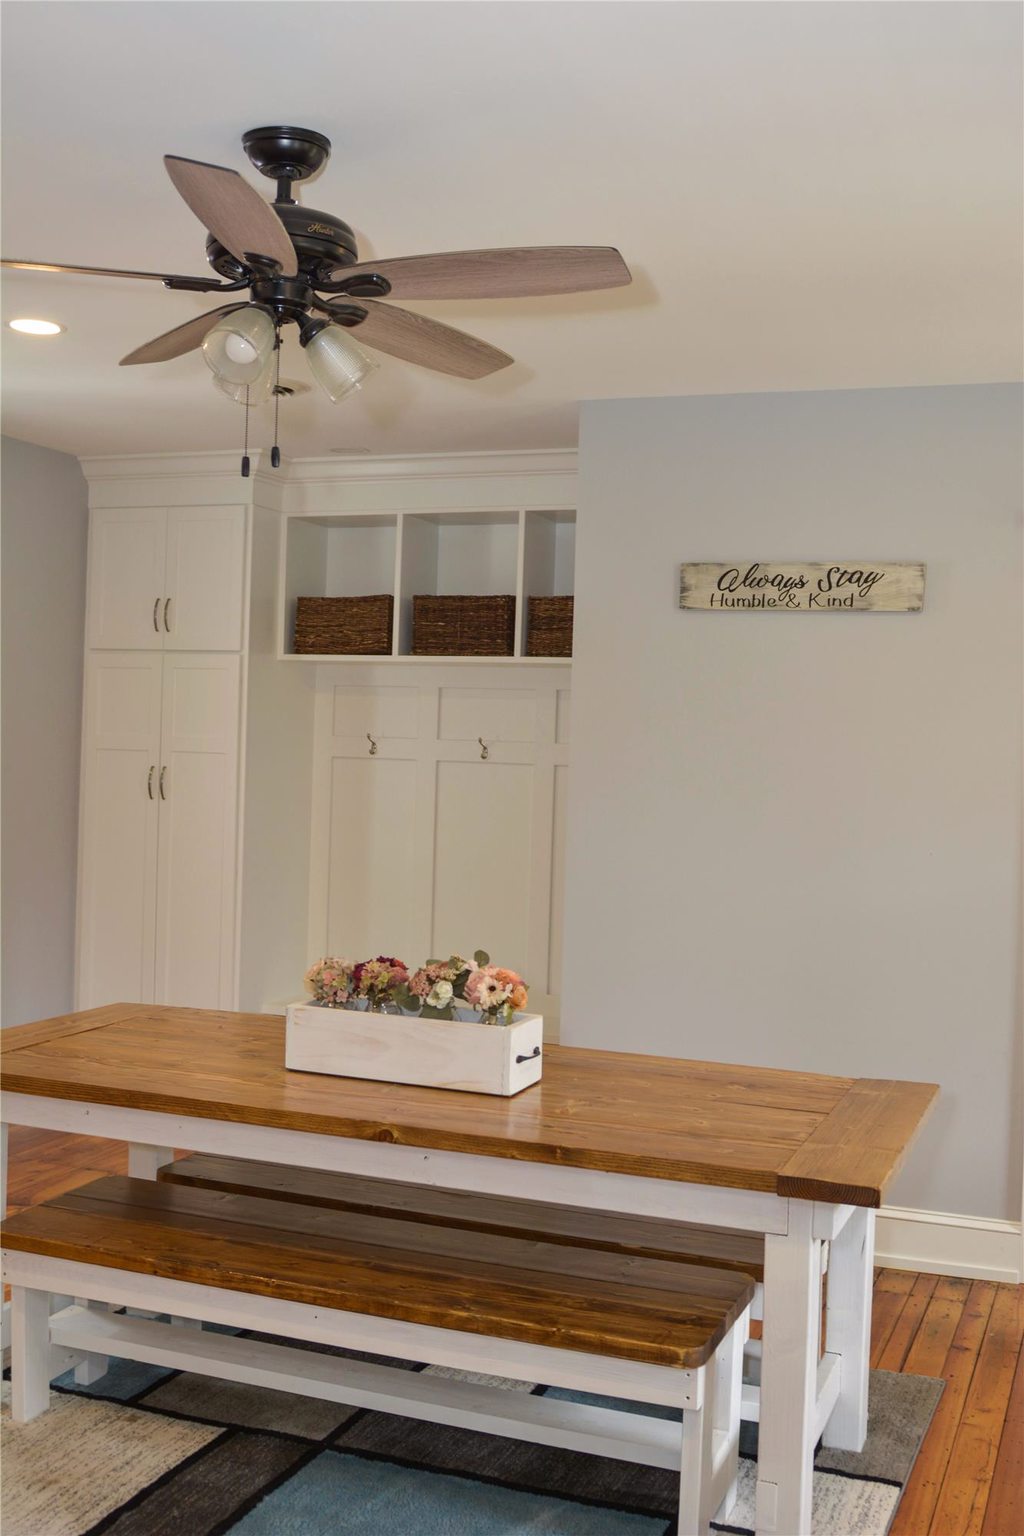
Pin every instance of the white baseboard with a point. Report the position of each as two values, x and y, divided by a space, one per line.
937 1243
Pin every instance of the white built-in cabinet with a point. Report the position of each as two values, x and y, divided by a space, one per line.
166 579
244 810
159 804
439 811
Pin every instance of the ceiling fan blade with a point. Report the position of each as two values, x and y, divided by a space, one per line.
53 266
233 211
184 338
417 339
518 273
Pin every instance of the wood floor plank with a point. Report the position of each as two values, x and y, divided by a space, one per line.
900 1281
903 1334
914 1515
960 1510
1004 1513
885 1314
935 1334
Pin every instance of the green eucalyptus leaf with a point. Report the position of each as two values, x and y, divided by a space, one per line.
482 958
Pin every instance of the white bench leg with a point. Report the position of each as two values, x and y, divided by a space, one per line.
93 1367
30 1353
848 1328
726 1416
697 1461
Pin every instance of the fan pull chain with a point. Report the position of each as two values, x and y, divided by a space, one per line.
245 450
275 452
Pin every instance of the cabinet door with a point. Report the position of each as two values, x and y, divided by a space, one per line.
117 875
126 578
198 790
205 571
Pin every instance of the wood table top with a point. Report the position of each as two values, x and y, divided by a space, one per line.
835 1139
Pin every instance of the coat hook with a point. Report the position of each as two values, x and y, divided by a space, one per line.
373 745
485 750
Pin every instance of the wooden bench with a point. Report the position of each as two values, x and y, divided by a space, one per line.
612 1323
646 1237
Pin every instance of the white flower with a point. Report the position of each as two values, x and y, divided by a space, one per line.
440 994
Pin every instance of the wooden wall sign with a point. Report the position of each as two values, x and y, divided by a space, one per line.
792 587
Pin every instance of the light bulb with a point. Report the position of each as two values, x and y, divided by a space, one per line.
336 363
239 347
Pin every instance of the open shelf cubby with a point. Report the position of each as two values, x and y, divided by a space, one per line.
438 552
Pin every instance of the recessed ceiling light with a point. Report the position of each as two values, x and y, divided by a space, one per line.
36 327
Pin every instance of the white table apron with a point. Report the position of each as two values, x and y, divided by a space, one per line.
803 1395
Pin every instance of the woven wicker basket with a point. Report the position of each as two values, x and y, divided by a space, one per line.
549 626
463 626
344 626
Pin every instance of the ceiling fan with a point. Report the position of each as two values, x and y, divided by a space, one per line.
299 265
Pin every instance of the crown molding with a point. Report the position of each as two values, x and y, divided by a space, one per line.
331 469
432 466
160 466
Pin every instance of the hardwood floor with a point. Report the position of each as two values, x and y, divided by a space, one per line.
969 1477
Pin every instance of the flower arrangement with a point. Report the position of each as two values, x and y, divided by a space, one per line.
379 980
434 991
330 981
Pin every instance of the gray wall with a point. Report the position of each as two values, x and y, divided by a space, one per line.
43 529
794 839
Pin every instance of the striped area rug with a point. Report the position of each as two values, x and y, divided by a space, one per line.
152 1452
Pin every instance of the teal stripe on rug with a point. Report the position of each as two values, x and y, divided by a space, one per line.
335 1493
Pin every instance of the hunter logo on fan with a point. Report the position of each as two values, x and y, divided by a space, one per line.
797 588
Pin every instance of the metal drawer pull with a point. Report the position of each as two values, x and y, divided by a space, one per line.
149 781
373 745
167 609
163 772
531 1057
485 750
156 610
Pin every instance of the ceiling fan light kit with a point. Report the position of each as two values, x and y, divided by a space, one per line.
337 364
301 266
239 347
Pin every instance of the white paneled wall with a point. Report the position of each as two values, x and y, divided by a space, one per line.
425 845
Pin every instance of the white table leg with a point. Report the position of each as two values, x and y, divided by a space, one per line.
789 1376
144 1161
848 1328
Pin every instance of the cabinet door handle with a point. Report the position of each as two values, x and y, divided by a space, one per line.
163 774
167 609
156 610
149 781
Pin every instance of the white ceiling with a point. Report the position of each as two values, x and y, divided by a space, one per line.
811 196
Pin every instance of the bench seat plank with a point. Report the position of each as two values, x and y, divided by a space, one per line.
646 1237
612 1304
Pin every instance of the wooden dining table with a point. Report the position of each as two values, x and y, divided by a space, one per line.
801 1158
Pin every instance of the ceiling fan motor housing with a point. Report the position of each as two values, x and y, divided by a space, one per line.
321 241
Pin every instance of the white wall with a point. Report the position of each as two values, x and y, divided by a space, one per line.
43 533
794 838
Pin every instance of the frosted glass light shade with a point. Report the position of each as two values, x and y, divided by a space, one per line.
337 364
239 346
259 389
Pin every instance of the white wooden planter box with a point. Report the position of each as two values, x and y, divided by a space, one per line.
401 1048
